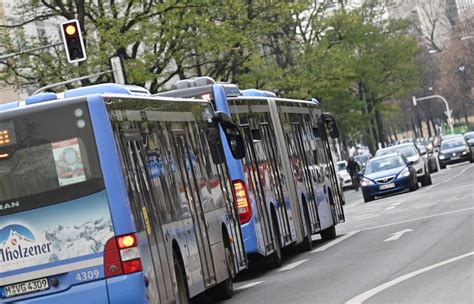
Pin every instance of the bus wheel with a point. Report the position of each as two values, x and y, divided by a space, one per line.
275 260
329 233
225 289
307 243
181 285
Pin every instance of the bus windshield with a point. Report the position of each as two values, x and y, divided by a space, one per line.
50 158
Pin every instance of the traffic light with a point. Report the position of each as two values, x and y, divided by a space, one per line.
73 43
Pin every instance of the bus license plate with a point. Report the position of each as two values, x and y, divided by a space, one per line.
26 287
387 186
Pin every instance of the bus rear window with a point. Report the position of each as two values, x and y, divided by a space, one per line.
51 159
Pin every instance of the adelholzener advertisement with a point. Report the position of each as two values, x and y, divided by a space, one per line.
55 233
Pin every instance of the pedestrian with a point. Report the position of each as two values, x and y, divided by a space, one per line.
353 168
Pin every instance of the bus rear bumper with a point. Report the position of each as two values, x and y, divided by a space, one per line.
93 292
250 237
127 289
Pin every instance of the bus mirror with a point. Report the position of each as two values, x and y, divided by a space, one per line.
232 134
234 139
331 125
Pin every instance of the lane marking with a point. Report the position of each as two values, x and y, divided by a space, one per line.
292 265
449 179
246 286
390 207
418 218
396 235
336 241
372 292
363 217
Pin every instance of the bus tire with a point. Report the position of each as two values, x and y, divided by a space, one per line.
329 233
275 260
307 243
182 295
225 289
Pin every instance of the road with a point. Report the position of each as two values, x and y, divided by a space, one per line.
415 247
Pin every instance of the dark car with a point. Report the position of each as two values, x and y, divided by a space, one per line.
454 150
388 174
426 151
469 137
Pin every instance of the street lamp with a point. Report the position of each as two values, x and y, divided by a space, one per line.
448 112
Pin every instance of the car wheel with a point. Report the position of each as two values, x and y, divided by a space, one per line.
368 198
426 180
414 184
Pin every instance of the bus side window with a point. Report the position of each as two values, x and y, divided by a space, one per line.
215 145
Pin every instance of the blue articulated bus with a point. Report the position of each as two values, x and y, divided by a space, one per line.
287 187
107 196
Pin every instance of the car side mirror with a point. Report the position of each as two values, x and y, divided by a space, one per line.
423 152
410 163
360 174
470 142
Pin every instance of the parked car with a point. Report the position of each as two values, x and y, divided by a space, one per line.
412 153
426 151
454 150
387 174
469 137
344 176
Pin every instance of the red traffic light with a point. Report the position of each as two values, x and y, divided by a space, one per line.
73 43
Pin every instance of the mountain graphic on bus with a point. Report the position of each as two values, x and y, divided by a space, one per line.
14 234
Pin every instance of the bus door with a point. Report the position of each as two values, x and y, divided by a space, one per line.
201 225
275 171
146 214
255 180
336 195
307 178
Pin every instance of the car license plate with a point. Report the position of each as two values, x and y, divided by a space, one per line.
25 287
454 157
387 186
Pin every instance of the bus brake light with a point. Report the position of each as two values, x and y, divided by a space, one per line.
243 205
121 256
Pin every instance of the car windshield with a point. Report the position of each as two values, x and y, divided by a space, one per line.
341 166
468 136
362 158
405 150
453 144
385 163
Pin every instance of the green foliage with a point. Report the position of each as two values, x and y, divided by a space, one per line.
351 61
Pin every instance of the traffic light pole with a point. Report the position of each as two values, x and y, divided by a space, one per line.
21 52
448 111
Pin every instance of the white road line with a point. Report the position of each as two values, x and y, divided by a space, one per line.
372 292
447 180
390 207
246 286
418 218
336 241
292 265
363 217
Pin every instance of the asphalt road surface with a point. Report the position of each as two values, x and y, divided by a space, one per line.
415 247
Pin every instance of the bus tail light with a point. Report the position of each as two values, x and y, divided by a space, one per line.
121 256
243 205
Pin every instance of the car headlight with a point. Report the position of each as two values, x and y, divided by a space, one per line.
441 156
366 182
405 172
465 151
